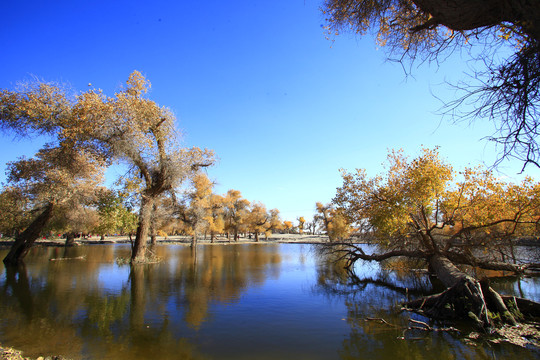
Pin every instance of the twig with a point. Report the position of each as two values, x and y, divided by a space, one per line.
381 320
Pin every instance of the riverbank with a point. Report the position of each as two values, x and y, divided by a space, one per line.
7 353
172 240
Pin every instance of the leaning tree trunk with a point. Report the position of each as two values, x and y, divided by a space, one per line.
138 253
25 240
465 298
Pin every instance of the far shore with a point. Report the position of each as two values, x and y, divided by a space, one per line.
182 239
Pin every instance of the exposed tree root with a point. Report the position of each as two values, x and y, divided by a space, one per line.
474 301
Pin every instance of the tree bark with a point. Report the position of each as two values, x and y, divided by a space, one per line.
25 240
488 265
445 270
145 216
475 14
70 239
465 298
153 237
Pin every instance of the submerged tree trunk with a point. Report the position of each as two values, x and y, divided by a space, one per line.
25 240
138 253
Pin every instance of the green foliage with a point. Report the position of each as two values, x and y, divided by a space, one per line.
104 311
114 216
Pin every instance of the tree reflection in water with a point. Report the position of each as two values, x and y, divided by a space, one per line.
379 295
63 308
215 302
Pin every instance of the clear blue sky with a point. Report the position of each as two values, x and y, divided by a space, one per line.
257 81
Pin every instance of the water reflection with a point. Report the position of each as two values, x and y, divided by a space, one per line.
214 302
378 326
27 318
62 307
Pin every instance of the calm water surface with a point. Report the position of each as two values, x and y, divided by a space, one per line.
220 302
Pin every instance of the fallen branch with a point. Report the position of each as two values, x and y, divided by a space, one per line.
69 258
423 327
382 321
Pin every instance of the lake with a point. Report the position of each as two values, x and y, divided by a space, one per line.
238 301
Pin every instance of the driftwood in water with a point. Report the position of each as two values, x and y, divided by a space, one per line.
69 258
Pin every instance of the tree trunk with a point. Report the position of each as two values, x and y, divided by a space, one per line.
256 236
445 270
153 237
212 236
70 239
138 253
26 239
474 14
465 298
